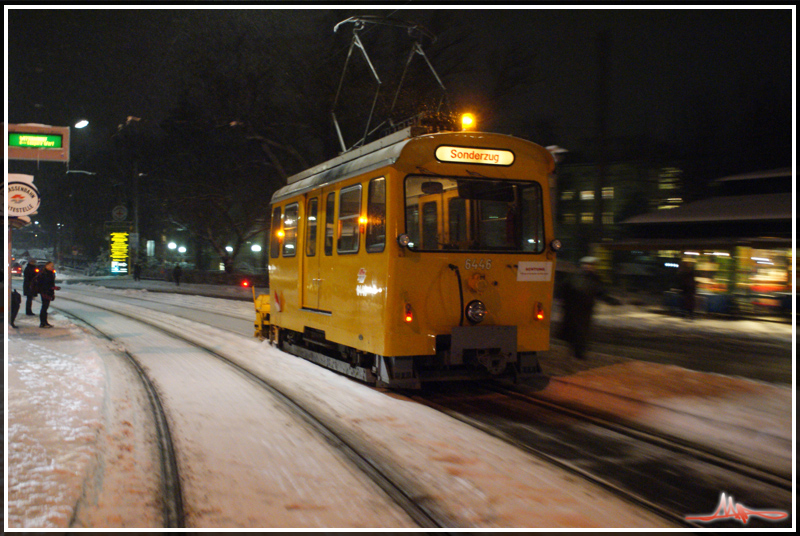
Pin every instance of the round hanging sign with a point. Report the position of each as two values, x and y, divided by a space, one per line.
23 199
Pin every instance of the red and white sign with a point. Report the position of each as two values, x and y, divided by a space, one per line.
119 213
534 271
474 155
23 197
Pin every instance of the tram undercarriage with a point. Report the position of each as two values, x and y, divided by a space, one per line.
467 354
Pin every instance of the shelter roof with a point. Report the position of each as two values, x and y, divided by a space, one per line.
775 206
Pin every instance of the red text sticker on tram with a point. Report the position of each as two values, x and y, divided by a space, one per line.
534 271
362 275
727 509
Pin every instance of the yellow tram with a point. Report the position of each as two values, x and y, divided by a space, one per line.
419 257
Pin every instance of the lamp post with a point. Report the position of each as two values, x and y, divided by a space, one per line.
256 249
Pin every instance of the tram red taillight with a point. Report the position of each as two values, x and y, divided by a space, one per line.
409 314
539 311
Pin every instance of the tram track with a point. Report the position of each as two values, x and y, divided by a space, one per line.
161 303
171 494
661 440
663 474
431 512
408 501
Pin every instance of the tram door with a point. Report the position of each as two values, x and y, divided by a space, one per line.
311 254
443 221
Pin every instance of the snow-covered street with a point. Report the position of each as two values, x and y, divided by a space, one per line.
79 447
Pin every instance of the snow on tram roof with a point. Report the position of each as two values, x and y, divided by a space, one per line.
380 153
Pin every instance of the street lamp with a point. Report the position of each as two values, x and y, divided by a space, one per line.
82 123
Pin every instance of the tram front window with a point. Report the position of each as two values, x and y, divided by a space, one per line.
474 214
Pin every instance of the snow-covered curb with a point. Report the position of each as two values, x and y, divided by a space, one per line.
55 417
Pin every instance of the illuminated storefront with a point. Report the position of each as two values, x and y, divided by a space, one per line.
739 244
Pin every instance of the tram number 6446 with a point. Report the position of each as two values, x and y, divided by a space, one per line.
475 264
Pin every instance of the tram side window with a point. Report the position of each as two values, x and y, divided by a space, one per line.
311 227
533 219
376 215
329 207
290 231
275 234
349 212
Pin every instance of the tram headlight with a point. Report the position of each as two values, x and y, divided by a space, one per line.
476 311
555 245
404 240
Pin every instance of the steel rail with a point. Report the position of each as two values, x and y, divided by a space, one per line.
421 514
172 495
662 440
558 462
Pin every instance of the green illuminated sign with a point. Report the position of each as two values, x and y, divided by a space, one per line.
34 141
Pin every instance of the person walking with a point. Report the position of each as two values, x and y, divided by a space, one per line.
137 272
579 293
688 288
27 277
176 274
45 285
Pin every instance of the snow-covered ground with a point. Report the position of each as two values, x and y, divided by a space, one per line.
64 411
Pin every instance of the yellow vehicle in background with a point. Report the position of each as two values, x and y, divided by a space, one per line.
419 257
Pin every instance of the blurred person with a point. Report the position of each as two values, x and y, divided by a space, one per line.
27 277
16 301
137 272
579 293
177 272
45 286
688 288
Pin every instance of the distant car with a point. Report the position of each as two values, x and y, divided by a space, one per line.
16 269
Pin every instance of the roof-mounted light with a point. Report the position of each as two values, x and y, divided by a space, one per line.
468 122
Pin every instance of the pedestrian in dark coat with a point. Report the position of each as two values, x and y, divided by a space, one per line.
688 287
579 293
16 300
177 273
137 272
27 277
45 285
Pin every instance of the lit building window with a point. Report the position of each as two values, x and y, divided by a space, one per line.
567 195
569 219
587 217
608 192
587 195
669 178
608 218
